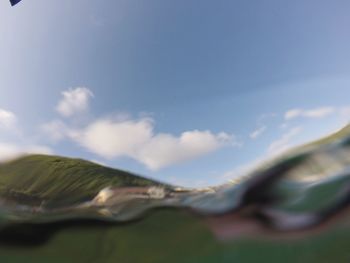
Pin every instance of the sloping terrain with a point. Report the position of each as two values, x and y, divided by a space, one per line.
59 180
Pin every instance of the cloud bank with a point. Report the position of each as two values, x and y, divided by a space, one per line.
136 139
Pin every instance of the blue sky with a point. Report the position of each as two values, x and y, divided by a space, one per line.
182 91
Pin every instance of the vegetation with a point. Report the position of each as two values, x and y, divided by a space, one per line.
173 236
166 235
60 181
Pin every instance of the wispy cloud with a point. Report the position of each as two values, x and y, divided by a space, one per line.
255 134
276 147
74 101
312 113
8 150
290 136
11 150
56 130
8 119
345 113
284 142
319 112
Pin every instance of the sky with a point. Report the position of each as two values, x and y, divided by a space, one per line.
187 92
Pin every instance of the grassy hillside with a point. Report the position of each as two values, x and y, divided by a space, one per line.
59 180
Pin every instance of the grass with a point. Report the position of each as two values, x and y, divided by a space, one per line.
60 181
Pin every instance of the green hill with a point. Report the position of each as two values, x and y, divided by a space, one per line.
60 181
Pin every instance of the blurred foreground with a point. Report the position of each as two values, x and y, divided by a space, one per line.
293 208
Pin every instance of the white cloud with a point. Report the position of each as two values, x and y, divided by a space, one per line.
319 112
293 113
112 139
284 142
288 139
121 136
136 139
8 119
56 130
255 134
313 113
345 113
165 149
37 149
9 151
74 101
